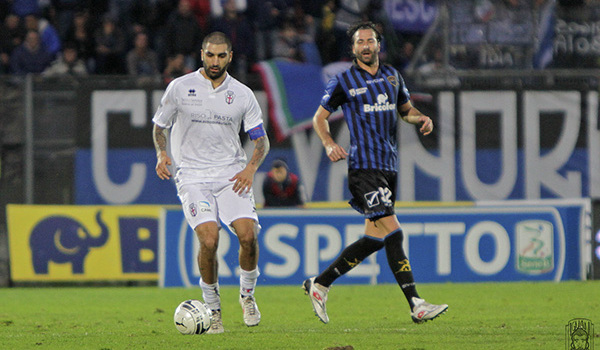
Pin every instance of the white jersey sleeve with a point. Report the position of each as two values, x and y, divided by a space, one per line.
253 116
167 110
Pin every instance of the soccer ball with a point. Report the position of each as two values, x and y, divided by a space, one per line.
192 317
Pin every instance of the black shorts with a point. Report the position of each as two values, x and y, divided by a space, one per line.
373 192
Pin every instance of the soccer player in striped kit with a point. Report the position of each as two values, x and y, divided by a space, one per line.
371 95
204 111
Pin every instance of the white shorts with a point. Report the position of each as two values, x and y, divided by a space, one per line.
215 201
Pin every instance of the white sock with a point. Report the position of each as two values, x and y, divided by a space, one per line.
210 294
248 281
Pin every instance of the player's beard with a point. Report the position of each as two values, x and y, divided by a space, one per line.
370 60
216 75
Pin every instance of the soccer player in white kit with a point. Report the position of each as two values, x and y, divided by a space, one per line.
204 111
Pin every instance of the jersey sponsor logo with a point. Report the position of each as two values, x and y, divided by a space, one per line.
208 117
392 79
374 81
381 106
356 92
229 96
192 92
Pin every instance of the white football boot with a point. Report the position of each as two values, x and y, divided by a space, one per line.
216 325
251 313
318 298
423 311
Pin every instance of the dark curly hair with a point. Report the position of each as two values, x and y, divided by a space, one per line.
363 25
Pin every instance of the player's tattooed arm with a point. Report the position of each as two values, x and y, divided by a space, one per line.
162 158
244 179
160 139
261 149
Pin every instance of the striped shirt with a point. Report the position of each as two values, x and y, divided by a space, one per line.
369 103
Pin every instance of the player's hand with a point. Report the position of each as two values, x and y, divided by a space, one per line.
242 181
162 162
426 125
335 152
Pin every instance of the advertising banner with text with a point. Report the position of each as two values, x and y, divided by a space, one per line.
514 241
487 145
82 243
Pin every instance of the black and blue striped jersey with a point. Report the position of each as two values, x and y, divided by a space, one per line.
369 103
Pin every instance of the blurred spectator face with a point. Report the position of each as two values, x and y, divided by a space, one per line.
108 25
279 173
229 6
70 55
141 41
11 21
31 22
32 40
184 7
179 61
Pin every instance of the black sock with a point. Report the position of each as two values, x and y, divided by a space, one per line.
400 265
353 255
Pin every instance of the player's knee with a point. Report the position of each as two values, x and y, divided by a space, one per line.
208 237
247 239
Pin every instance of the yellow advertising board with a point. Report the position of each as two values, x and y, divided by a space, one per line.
83 243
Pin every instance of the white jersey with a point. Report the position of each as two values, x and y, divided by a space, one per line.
205 125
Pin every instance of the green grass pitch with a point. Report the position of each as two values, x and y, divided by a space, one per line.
516 315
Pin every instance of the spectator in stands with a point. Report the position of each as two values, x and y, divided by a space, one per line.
12 33
175 68
64 14
81 35
110 47
31 56
288 44
67 63
201 10
48 34
183 34
237 27
325 37
282 188
142 60
436 73
217 7
267 17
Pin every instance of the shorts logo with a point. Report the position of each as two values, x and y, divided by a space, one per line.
372 199
193 209
535 247
579 334
229 96
382 195
204 206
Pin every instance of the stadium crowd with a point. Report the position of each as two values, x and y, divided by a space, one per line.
162 38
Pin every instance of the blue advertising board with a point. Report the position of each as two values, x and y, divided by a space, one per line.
509 241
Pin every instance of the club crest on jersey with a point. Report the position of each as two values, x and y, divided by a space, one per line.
392 79
192 92
229 96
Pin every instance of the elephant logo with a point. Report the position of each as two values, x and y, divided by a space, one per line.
64 240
